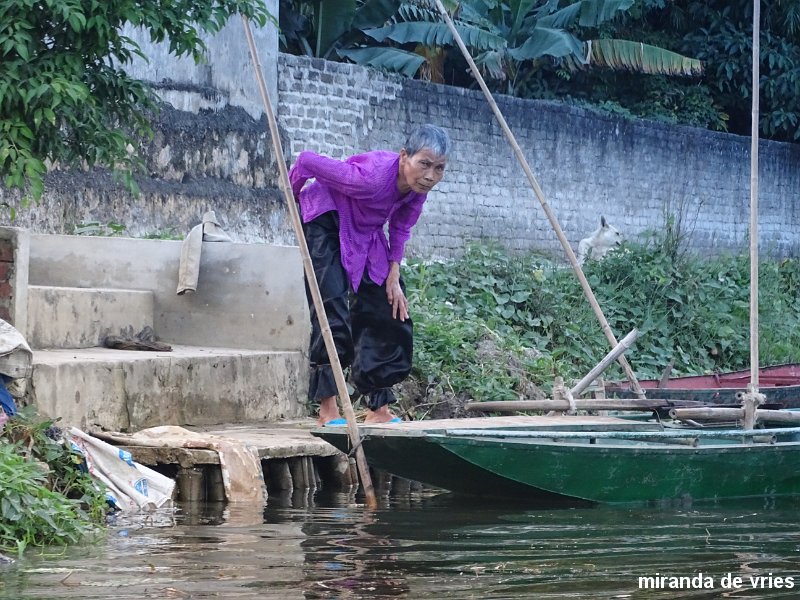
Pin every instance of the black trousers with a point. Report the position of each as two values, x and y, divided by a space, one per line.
377 348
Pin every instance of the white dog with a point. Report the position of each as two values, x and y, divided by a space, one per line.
604 239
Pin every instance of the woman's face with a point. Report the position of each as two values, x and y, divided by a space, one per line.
420 172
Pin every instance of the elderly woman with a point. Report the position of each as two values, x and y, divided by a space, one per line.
358 270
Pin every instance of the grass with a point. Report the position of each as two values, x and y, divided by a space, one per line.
496 326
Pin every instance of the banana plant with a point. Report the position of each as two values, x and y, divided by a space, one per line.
506 35
503 35
611 53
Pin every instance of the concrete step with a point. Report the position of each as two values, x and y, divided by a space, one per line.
123 390
73 317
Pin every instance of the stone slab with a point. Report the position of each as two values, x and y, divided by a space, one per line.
70 317
122 390
290 439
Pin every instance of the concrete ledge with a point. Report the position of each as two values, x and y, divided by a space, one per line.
69 317
120 390
248 295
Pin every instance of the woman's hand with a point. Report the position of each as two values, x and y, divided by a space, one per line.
394 293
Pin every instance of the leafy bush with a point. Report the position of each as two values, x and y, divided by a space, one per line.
45 498
492 326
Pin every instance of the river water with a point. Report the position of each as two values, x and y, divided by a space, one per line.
426 546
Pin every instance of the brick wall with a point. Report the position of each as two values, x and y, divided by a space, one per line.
6 275
588 164
14 253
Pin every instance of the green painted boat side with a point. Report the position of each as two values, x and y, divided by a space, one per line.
413 458
635 472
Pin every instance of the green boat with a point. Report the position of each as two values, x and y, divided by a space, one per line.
574 460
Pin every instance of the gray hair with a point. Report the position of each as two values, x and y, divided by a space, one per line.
428 136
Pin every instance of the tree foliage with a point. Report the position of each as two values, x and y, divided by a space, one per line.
617 55
65 97
718 32
506 37
724 41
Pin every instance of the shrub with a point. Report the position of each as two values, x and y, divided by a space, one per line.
45 497
496 326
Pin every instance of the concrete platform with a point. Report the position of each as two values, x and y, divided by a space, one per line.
123 390
285 439
72 317
291 460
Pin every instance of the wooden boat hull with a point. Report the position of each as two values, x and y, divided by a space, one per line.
412 458
636 472
402 449
779 383
564 460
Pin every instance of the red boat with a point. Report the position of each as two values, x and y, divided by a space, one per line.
779 383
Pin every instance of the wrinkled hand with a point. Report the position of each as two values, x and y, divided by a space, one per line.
395 295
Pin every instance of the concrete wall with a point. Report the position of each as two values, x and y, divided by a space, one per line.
14 251
249 296
215 160
227 78
588 164
220 158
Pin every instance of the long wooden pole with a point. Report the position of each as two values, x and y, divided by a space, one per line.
752 398
579 404
587 290
754 202
313 286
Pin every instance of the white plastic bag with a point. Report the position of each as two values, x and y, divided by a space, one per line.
131 486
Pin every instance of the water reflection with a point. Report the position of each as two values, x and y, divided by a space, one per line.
425 546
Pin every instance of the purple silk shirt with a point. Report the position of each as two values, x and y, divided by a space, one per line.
363 190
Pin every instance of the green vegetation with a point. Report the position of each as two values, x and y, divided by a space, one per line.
617 56
65 97
45 499
508 39
492 326
114 229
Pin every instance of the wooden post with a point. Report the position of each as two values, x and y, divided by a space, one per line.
615 352
316 477
299 476
333 357
337 472
587 290
215 488
279 475
190 485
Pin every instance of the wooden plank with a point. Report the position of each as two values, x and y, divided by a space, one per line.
580 404
183 457
534 421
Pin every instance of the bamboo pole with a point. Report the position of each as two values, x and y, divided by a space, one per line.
341 384
587 290
644 404
751 399
633 435
737 413
624 344
754 202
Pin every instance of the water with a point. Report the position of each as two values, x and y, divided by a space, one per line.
425 546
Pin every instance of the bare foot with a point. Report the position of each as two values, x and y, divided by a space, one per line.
382 415
327 410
